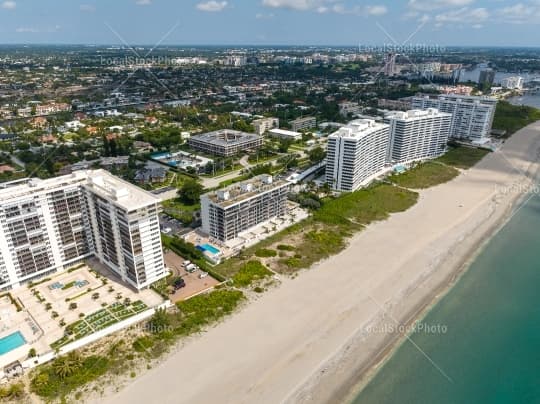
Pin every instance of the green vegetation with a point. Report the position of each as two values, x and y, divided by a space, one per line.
12 392
425 175
250 272
512 118
265 253
205 309
190 192
99 320
462 156
66 374
326 232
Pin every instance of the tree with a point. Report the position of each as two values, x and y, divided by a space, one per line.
191 192
32 353
67 365
72 306
316 155
284 145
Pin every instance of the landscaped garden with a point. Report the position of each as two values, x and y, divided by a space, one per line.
99 320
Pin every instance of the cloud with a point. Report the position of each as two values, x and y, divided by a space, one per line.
262 16
88 8
212 6
9 5
143 2
26 30
326 6
463 16
33 30
376 10
519 13
429 5
294 4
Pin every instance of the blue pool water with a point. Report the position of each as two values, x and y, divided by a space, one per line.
11 342
210 248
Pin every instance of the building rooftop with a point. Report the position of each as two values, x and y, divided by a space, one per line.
284 132
103 183
244 190
415 114
358 129
466 98
225 137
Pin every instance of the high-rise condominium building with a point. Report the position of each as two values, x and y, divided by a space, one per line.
356 154
228 212
50 225
512 83
472 117
417 135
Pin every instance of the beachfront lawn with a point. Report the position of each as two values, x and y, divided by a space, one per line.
250 272
425 175
462 156
512 118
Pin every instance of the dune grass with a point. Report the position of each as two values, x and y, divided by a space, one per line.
425 175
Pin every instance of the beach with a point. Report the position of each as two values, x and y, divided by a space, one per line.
310 339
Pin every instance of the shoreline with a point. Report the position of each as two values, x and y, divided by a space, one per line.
453 266
317 325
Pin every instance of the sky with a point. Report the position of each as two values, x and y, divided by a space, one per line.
272 22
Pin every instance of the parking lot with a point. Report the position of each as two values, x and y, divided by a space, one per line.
176 227
194 283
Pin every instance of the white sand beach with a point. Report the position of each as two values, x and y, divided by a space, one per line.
307 341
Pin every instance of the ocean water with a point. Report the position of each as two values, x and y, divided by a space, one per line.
532 100
490 352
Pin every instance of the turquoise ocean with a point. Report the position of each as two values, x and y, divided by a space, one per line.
485 337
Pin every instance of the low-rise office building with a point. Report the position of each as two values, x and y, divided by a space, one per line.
285 134
303 123
230 211
225 142
265 124
417 135
50 225
356 154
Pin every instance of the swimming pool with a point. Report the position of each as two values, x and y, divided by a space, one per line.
210 248
11 342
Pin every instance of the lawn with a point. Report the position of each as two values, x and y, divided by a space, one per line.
425 175
462 157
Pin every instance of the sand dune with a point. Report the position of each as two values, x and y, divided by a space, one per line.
309 339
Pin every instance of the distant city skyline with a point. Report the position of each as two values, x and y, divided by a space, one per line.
439 23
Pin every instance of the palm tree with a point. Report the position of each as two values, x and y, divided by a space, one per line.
67 365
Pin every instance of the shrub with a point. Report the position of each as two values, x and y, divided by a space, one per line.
265 253
250 272
285 247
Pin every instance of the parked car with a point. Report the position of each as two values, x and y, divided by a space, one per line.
186 263
191 268
203 275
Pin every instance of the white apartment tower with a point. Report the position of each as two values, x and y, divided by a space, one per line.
356 154
417 135
472 117
228 212
50 225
